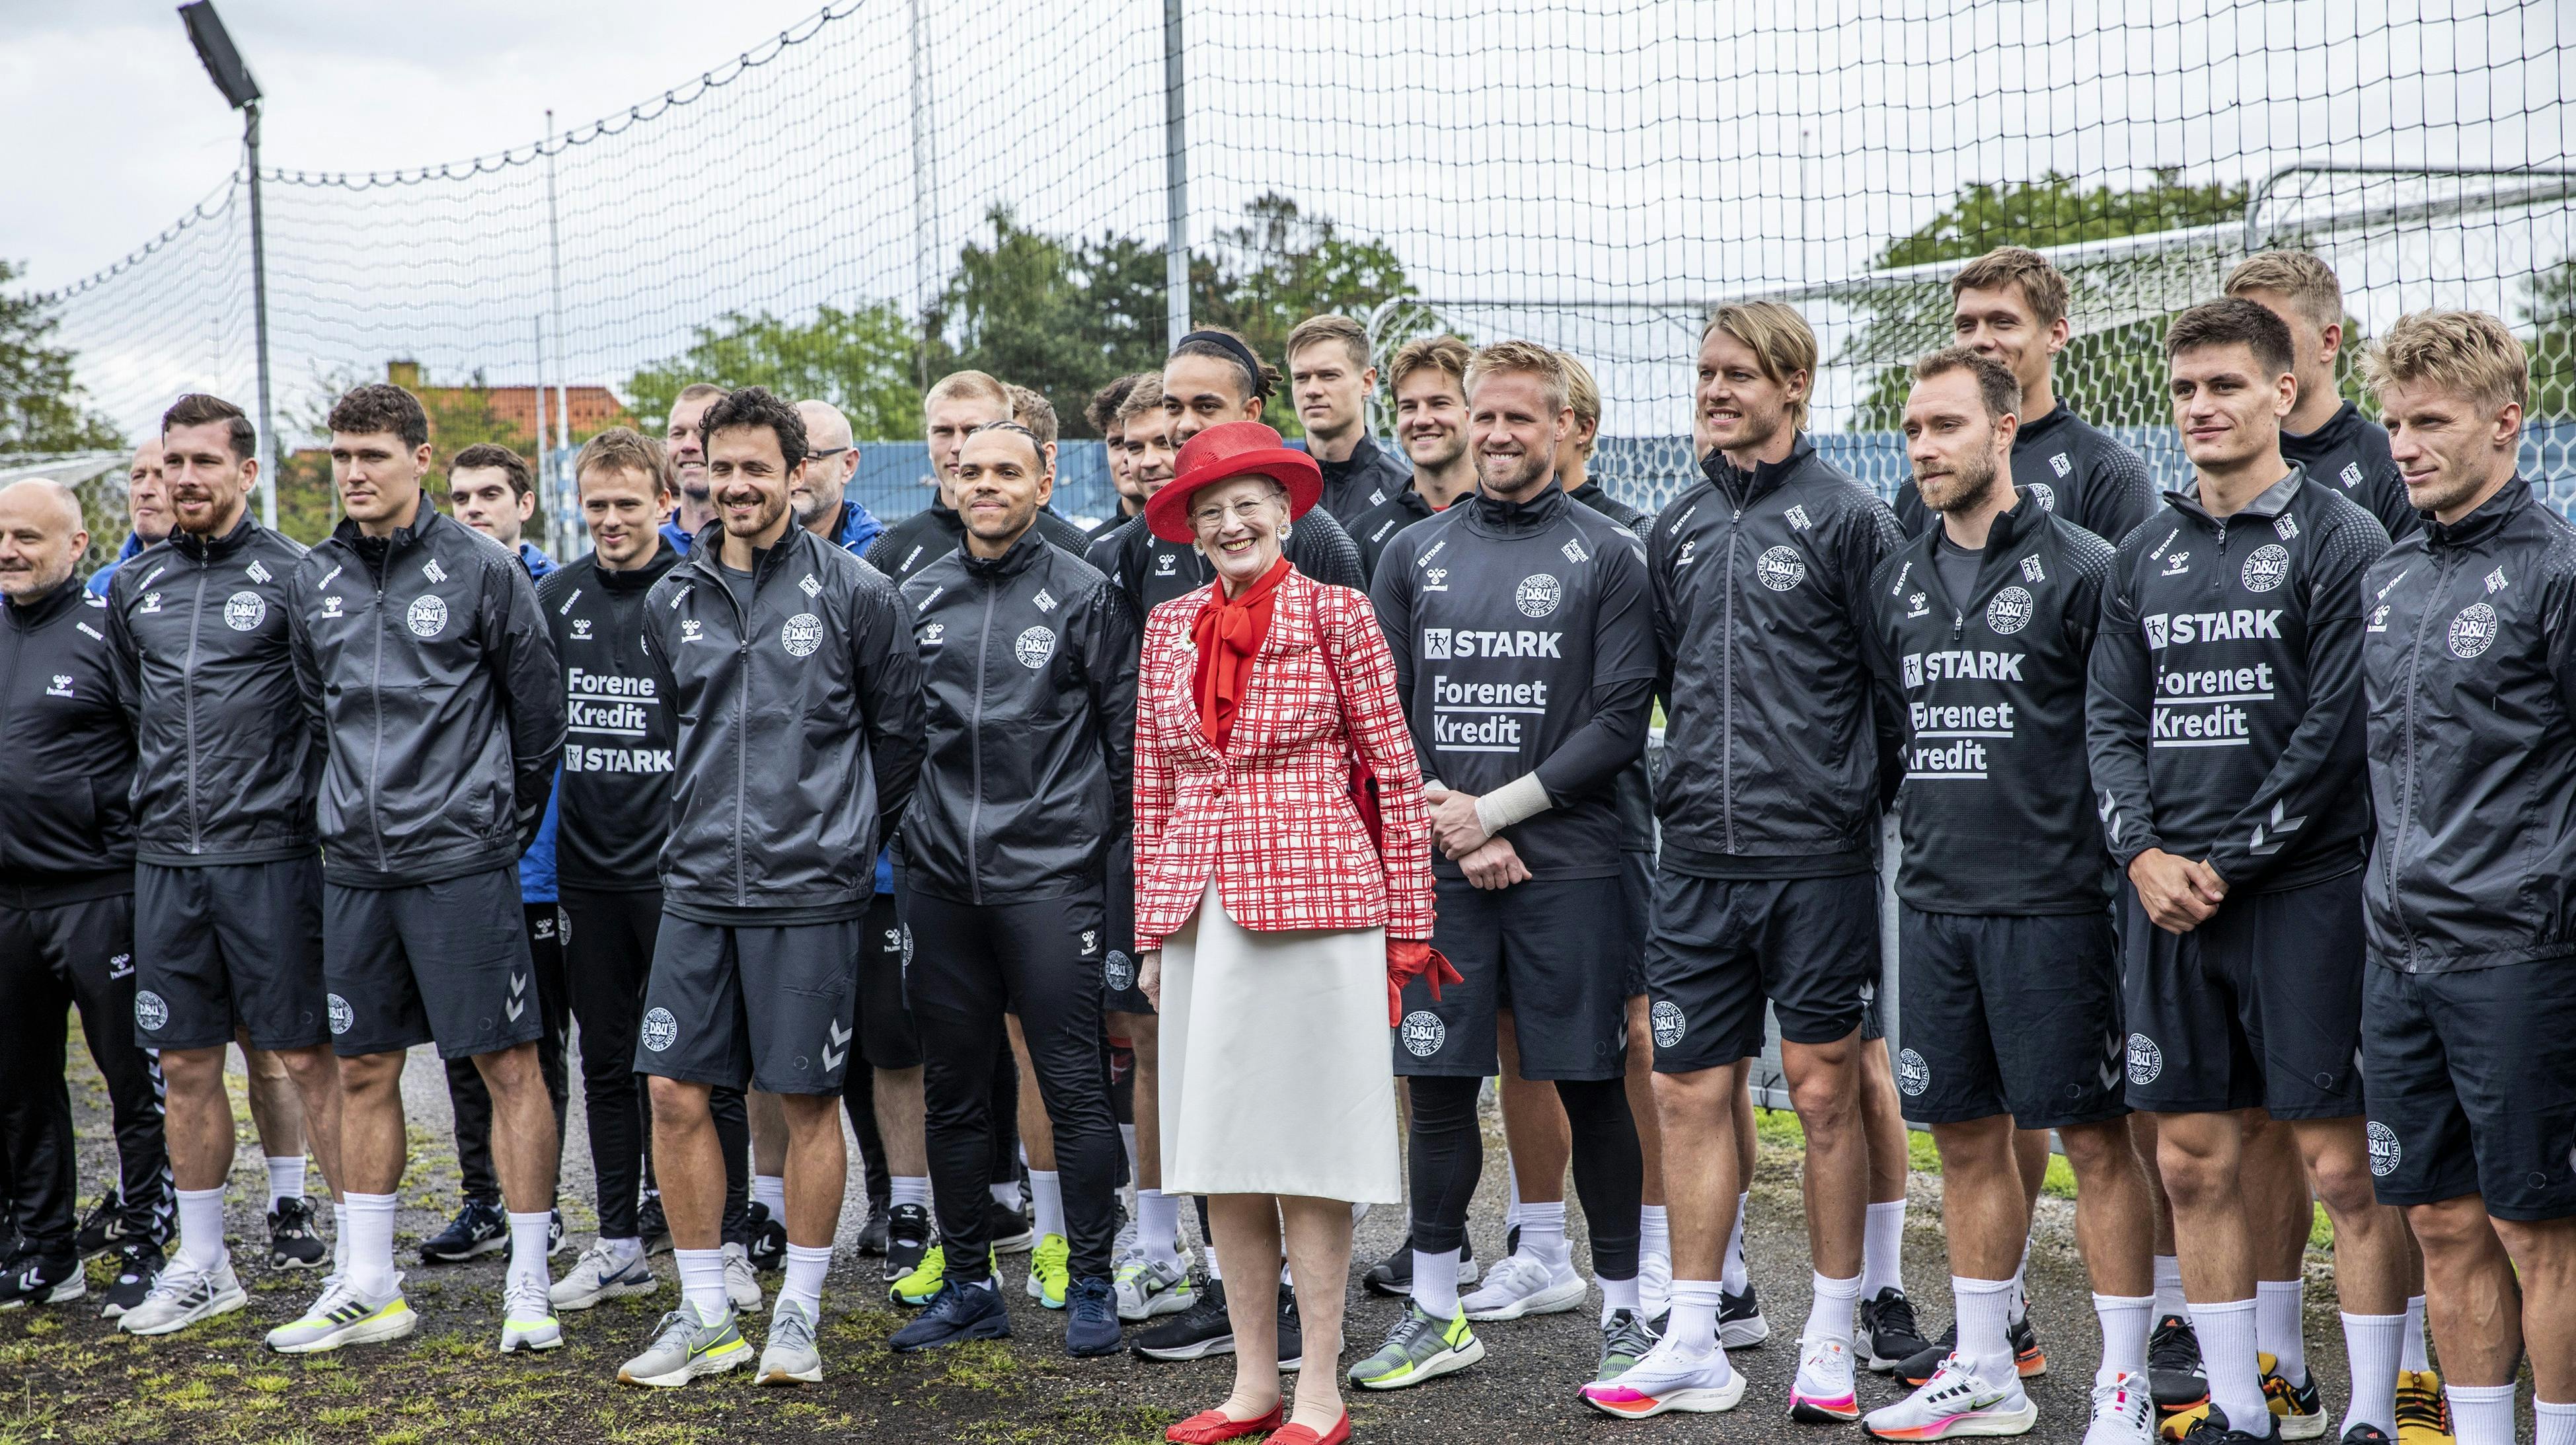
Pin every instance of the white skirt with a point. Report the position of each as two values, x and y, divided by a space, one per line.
1277 1077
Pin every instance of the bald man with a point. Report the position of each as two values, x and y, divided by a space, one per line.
66 875
820 501
147 511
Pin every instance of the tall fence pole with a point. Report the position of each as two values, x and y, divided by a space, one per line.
1176 183
925 203
268 451
560 498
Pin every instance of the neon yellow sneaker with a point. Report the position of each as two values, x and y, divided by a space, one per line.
1419 1348
1049 1271
917 1288
342 1316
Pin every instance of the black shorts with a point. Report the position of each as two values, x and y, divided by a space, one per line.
1637 912
443 963
761 1006
2261 1005
1722 947
886 1036
2009 1014
226 948
1543 941
2472 1085
1119 993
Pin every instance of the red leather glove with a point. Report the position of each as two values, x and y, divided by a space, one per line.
1410 958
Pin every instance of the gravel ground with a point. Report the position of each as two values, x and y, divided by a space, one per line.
69 1376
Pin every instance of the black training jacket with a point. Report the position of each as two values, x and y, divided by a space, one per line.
66 808
1029 661
229 760
936 530
1524 643
1151 571
613 796
2350 452
1386 521
799 729
1365 479
1636 782
2224 715
2469 662
1995 813
426 664
2074 468
1779 752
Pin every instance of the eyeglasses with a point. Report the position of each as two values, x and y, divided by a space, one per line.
825 452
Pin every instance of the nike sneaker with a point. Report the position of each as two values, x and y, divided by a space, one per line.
1419 1348
1823 1392
1666 1380
685 1348
1955 1401
604 1273
1523 1285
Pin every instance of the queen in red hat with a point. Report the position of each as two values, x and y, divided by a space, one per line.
1283 880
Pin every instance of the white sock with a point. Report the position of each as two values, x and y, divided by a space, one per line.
1435 1283
1732 1275
2021 1295
528 1247
201 1227
1158 1226
1655 1231
1616 1295
1693 1330
2126 1322
1007 1194
1984 1312
1830 1318
770 1191
371 1243
910 1189
2483 1414
1207 1247
2553 1424
702 1282
2227 1358
2169 1300
624 1251
1543 1236
1512 1187
2371 1346
2419 1353
285 1178
1046 1187
1882 1258
339 1238
2279 1317
805 1270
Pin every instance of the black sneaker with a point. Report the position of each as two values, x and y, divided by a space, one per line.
1889 1333
2029 1361
41 1280
1197 1332
2173 1366
137 1266
652 1227
1011 1230
477 1229
768 1243
1292 1333
1740 1325
105 1229
1393 1275
907 1240
873 1234
557 1242
293 1242
2366 1435
2212 1429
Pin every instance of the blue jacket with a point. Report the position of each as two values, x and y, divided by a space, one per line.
674 538
98 580
537 865
535 560
858 528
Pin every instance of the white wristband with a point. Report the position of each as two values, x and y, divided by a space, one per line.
1522 797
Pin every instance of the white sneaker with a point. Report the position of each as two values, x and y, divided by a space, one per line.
741 1285
182 1296
1147 1288
528 1319
2124 1412
790 1358
603 1274
1522 1285
1124 1248
1956 1401
1654 1285
342 1316
1823 1394
1668 1380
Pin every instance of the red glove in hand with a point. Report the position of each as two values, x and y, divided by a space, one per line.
1410 958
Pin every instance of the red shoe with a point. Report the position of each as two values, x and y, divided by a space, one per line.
1207 1427
1340 1434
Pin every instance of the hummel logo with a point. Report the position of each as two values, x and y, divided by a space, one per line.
690 630
518 996
1163 565
2177 564
2271 842
1683 558
836 1045
331 607
431 570
151 603
62 686
581 629
1917 606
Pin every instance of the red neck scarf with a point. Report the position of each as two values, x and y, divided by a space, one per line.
1228 634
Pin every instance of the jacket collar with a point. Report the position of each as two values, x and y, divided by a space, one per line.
2061 417
423 522
2336 429
2273 501
2491 517
46 606
1364 454
214 549
637 579
706 554
1748 487
1494 517
1023 554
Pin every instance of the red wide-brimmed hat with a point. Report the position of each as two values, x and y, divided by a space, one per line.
1222 453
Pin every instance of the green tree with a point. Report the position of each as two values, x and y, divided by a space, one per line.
861 361
2549 309
42 409
1282 266
2114 373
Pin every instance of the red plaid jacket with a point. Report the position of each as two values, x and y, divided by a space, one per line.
1271 818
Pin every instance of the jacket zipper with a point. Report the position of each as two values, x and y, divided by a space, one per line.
2406 783
188 703
975 749
20 640
1726 688
741 724
376 696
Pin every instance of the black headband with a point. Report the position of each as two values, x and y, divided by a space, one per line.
1231 347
